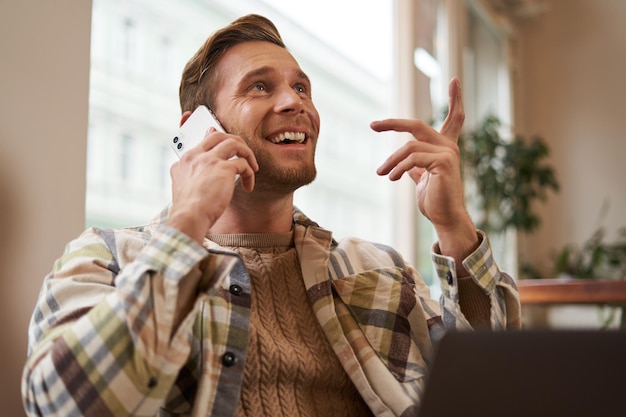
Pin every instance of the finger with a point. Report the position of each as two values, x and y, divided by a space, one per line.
212 138
227 146
413 165
399 125
411 154
453 123
418 129
246 174
394 159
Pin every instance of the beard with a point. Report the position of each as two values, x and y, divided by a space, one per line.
273 177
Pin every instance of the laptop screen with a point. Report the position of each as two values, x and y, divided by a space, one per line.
547 373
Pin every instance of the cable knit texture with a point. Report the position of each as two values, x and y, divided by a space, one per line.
474 303
291 369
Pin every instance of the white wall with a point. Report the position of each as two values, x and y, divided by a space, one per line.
44 70
571 89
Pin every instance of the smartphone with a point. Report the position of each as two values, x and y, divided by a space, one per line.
193 130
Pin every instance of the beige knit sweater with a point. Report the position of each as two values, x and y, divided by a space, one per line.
291 369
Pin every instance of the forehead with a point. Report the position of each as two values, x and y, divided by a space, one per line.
249 57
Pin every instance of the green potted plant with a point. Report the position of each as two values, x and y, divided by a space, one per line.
598 260
509 175
595 259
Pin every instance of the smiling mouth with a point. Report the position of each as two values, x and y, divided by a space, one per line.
288 138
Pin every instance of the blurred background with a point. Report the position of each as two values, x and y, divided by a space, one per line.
89 99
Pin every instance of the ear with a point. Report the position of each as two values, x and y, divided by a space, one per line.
184 117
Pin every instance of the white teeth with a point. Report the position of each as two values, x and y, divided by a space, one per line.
291 136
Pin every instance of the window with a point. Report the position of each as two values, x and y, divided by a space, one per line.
487 71
460 38
126 158
128 44
164 62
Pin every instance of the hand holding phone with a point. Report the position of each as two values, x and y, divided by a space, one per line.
193 130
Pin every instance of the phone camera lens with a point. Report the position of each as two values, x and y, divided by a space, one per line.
179 146
175 139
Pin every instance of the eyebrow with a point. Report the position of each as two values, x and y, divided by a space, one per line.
267 70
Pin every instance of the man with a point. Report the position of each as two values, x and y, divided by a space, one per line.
233 302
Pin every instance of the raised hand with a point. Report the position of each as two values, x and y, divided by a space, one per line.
203 181
433 161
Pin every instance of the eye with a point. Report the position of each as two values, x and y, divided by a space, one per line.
301 89
259 87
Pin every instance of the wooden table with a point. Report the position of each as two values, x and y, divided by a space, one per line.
574 291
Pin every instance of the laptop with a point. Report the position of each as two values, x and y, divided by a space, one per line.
538 373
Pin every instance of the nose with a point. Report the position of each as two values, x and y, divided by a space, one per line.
289 101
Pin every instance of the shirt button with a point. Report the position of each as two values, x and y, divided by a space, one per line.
449 277
229 359
235 289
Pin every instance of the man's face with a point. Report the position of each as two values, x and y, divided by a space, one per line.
264 97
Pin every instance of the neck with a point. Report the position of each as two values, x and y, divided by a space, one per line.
250 213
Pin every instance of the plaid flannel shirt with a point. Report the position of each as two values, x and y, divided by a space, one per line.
102 342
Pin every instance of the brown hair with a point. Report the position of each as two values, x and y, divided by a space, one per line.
197 85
